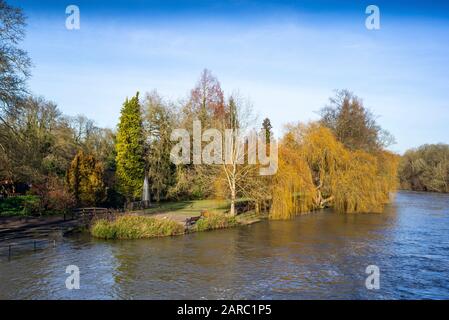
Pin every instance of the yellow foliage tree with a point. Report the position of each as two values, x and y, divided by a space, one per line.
316 171
293 188
85 180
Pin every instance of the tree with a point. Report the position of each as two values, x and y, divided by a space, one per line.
14 71
39 142
293 189
130 150
425 168
266 128
14 62
85 180
207 99
236 177
158 119
233 178
317 171
206 103
353 124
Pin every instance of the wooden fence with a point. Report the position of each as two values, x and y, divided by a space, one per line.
34 244
77 217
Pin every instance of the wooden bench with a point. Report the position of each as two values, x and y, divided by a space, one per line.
192 220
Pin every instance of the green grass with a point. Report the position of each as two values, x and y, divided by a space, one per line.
135 227
191 208
214 221
19 206
129 227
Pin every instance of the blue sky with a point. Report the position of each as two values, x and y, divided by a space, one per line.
286 57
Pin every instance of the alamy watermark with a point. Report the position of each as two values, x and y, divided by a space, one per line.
372 282
73 20
372 22
232 149
73 280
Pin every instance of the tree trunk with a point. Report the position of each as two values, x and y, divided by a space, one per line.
232 211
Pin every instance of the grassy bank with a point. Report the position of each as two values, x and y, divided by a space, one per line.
213 221
135 227
142 227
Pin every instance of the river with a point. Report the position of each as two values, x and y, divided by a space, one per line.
323 255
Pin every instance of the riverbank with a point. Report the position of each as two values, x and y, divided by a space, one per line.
172 219
143 226
14 229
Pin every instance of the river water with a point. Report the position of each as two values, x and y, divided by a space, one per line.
322 255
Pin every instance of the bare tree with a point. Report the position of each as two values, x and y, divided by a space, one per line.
353 124
14 62
241 175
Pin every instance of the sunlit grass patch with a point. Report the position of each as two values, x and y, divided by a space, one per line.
135 227
213 221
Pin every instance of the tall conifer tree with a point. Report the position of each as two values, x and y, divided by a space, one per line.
130 150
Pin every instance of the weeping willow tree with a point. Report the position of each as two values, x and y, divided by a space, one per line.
359 187
317 171
293 189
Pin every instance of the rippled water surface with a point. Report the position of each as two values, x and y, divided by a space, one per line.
317 256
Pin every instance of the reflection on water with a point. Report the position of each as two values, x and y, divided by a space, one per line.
321 255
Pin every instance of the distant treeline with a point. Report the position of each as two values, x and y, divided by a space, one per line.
425 168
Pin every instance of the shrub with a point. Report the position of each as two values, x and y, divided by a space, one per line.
135 227
215 221
59 201
425 168
19 205
85 180
103 229
54 196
